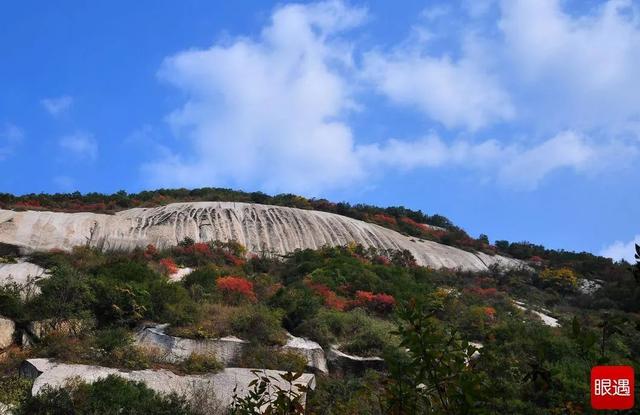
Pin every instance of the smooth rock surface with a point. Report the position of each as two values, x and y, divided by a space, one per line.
7 330
258 227
311 350
176 349
220 384
24 274
546 319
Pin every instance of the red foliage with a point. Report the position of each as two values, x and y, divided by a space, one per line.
384 219
234 286
233 260
168 265
415 224
151 251
331 299
383 303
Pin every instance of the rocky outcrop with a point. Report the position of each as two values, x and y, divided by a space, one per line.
258 227
312 351
7 331
221 384
173 349
41 328
24 275
349 364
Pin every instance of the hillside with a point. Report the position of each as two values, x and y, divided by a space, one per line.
259 228
176 304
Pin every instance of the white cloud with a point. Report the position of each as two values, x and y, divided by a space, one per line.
80 145
57 106
456 93
10 137
579 71
266 111
622 250
513 165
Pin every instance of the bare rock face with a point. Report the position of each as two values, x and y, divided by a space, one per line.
221 384
7 330
176 349
311 350
258 227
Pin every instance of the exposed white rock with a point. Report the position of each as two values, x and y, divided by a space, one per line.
5 409
220 384
311 350
346 363
546 319
258 227
24 274
180 274
176 349
586 286
7 331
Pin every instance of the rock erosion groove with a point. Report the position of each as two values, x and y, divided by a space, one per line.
258 227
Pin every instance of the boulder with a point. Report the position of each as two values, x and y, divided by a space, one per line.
7 331
312 351
349 364
222 385
40 328
176 349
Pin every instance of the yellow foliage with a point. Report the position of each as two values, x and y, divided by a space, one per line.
560 276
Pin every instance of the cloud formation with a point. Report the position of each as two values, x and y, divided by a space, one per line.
268 110
80 145
57 106
622 250
273 112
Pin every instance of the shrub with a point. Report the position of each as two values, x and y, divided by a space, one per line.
355 331
329 297
260 324
14 389
265 357
561 278
235 289
168 266
382 303
108 396
65 294
199 363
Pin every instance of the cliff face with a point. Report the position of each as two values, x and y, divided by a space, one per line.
258 227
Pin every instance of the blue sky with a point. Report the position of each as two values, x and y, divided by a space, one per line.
519 119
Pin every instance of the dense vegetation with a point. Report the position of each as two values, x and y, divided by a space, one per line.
370 303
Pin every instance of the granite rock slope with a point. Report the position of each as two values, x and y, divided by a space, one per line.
258 227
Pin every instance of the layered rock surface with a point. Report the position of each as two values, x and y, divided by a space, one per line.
258 227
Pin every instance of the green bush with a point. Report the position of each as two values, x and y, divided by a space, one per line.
260 324
14 389
65 294
199 363
109 396
355 331
265 357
